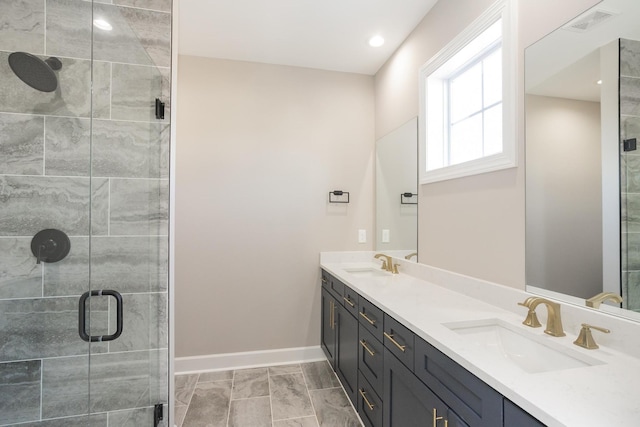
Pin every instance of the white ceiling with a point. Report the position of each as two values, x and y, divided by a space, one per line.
324 34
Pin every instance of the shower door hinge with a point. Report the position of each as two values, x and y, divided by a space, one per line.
157 414
629 144
159 109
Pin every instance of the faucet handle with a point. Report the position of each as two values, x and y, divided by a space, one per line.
585 338
532 318
384 265
394 270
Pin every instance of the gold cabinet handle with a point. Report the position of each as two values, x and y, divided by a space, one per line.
324 281
373 322
436 418
364 396
363 343
332 314
348 301
390 337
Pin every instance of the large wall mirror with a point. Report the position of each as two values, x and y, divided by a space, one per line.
582 115
396 191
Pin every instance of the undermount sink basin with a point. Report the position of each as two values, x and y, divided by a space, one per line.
531 353
367 272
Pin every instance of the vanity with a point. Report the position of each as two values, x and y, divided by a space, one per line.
411 349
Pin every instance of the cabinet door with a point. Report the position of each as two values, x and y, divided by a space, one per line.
514 416
407 402
347 352
328 333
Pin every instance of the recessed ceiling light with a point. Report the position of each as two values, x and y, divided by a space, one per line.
599 82
102 24
376 41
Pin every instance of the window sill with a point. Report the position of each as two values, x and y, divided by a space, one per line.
473 167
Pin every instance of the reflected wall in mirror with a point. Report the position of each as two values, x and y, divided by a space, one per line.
396 191
582 101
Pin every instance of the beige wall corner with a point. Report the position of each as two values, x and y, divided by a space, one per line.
259 148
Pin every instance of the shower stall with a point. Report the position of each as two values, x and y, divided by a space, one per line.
84 212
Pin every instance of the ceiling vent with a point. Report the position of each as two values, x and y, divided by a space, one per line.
588 22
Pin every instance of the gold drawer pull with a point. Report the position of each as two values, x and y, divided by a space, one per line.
366 347
401 347
332 315
324 281
363 394
349 301
373 322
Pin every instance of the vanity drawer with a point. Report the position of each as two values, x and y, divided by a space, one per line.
371 317
350 300
333 285
369 404
370 359
399 340
473 401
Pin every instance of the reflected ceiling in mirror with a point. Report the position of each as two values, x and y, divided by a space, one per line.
582 99
396 191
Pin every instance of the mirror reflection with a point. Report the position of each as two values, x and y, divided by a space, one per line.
396 191
582 98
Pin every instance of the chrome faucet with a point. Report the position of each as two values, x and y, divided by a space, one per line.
554 321
387 263
596 300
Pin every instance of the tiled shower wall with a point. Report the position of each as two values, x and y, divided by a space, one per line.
630 172
90 166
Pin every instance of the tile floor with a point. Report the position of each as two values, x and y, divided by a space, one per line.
304 395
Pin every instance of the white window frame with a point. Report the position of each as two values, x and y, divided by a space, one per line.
505 10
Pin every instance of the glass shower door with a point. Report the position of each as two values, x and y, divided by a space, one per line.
84 167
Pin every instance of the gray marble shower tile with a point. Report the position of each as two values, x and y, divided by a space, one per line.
163 5
69 25
67 146
133 418
206 377
22 26
35 328
69 276
146 316
138 36
97 420
209 405
139 207
118 381
134 90
630 212
130 149
100 194
136 264
20 276
185 385
630 96
297 422
289 396
254 412
629 58
319 375
101 101
285 369
31 204
629 128
633 251
631 167
333 408
71 98
632 300
19 391
249 383
21 144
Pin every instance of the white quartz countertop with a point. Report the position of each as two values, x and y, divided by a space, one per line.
607 394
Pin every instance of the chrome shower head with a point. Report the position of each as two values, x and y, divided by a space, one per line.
34 71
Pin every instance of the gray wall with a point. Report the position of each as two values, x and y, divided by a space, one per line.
259 148
564 196
49 146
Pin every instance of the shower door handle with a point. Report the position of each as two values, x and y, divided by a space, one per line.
82 309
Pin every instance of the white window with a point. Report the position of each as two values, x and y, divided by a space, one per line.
467 104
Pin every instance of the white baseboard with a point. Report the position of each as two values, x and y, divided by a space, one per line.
249 359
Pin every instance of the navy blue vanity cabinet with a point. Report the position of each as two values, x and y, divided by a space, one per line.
350 300
328 326
473 400
370 360
369 403
346 365
333 285
408 402
399 340
371 317
514 416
